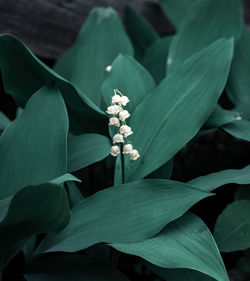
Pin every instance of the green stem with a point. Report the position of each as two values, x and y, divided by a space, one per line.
122 166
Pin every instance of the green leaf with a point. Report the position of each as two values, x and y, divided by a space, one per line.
4 121
206 22
140 31
232 229
86 149
75 195
173 113
176 10
215 180
33 210
22 82
123 213
238 83
100 40
33 147
72 268
62 179
185 243
239 129
131 78
4 203
178 274
221 117
156 57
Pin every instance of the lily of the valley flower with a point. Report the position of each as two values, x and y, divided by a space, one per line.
114 121
118 138
113 109
108 68
125 130
116 99
115 150
123 115
127 148
116 108
134 154
124 100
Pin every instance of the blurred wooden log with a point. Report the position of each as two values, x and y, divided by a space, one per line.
49 27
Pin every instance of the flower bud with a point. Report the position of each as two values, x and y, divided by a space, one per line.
125 130
124 114
116 99
118 138
114 121
115 150
113 109
134 154
108 68
124 100
127 148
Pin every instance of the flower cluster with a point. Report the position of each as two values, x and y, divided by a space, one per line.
123 130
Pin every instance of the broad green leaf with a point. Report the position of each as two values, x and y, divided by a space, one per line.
176 10
33 147
238 83
179 274
184 243
156 57
232 229
140 31
22 82
242 192
215 180
239 129
4 203
123 213
221 117
100 40
4 121
75 196
62 179
206 22
129 77
173 112
86 149
72 268
34 209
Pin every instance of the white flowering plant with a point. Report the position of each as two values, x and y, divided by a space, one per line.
99 168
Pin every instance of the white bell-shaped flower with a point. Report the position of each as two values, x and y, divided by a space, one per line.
123 115
114 121
116 99
113 109
134 154
115 150
124 100
127 148
108 68
118 138
126 130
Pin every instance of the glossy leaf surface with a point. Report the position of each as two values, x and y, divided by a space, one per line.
175 110
28 155
124 213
